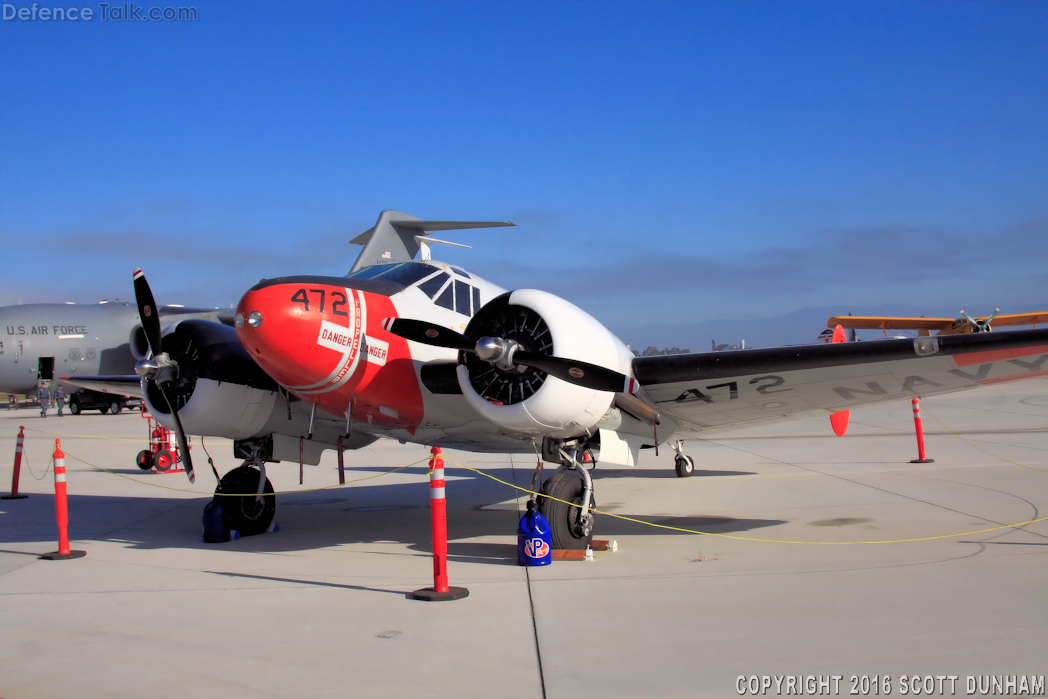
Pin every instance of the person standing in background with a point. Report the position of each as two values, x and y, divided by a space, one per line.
60 398
44 395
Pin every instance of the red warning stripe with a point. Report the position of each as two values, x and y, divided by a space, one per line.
1014 377
998 355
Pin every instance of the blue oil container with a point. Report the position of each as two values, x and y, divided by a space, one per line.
533 539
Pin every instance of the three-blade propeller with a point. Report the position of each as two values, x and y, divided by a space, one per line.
507 354
159 367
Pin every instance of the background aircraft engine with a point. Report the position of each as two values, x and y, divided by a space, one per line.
220 391
527 399
139 343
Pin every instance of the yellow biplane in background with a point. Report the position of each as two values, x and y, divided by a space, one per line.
943 326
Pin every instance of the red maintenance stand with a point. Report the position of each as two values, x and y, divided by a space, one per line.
162 453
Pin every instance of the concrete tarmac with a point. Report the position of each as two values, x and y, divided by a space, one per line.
322 608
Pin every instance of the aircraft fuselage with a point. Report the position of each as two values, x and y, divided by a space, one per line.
45 341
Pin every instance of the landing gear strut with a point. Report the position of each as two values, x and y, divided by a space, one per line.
246 513
682 463
571 525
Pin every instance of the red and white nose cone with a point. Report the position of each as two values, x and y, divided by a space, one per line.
326 344
307 338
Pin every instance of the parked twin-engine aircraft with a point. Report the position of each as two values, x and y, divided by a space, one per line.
942 326
426 352
41 340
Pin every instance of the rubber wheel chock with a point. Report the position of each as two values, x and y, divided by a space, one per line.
56 556
428 594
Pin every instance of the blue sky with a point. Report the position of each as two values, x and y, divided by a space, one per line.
665 163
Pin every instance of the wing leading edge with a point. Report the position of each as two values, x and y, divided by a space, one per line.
716 392
130 385
944 326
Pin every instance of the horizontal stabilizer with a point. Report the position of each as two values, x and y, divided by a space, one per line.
393 237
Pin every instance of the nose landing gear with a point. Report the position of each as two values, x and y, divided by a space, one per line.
246 513
682 463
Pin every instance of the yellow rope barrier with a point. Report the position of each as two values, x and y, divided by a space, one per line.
597 511
87 436
973 446
749 538
245 495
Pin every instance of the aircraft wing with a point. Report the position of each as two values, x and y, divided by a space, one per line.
945 325
1019 319
891 323
130 385
714 392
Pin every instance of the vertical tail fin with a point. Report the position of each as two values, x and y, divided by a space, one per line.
395 237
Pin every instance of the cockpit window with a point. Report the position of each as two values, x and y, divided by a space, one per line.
459 271
452 294
432 286
371 272
446 299
404 274
462 297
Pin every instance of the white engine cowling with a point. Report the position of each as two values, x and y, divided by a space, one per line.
531 401
219 390
220 410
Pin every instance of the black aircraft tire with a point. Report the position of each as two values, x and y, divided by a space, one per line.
144 460
685 466
244 513
565 532
74 407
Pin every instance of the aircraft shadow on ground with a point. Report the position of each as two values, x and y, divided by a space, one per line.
396 513
668 473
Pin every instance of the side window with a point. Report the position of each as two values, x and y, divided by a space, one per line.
462 297
476 300
446 299
432 286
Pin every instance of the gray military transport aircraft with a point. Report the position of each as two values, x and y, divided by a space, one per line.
426 352
40 341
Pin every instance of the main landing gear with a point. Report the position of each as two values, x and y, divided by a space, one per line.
243 512
571 525
682 463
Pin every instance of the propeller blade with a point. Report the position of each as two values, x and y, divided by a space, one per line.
180 435
428 334
572 371
579 373
986 323
147 312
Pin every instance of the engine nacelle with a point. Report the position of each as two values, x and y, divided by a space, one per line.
140 345
528 400
220 410
220 391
